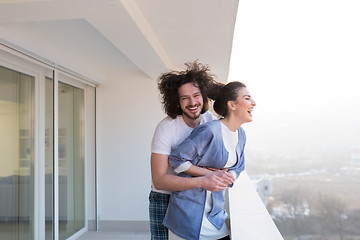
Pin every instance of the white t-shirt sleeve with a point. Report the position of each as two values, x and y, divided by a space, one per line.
162 141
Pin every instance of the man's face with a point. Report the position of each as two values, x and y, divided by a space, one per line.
191 101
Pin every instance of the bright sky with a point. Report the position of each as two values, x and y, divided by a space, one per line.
301 62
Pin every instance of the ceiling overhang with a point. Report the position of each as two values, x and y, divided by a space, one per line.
90 36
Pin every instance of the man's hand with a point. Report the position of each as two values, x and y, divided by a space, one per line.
216 181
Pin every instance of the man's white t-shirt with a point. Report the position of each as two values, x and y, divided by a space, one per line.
169 133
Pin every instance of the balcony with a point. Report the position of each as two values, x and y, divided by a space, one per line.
249 219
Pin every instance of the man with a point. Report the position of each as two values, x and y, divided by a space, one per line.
185 97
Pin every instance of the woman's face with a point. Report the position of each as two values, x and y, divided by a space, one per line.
243 106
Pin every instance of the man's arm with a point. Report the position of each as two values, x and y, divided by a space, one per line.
209 180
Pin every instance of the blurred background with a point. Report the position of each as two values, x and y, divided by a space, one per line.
300 60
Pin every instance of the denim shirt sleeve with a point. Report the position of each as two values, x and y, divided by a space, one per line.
191 148
186 151
240 165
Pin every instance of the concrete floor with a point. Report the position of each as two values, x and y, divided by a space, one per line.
91 235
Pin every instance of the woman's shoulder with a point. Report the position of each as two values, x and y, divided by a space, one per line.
211 125
209 128
208 117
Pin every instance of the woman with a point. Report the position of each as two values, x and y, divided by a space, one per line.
197 213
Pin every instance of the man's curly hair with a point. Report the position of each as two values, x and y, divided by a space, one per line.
195 73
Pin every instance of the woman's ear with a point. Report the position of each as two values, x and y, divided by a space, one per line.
231 105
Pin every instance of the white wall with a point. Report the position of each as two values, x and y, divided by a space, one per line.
128 110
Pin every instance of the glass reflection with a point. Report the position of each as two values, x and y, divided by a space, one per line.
17 155
71 160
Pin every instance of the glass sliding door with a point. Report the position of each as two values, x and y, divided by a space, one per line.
17 108
49 158
71 160
42 150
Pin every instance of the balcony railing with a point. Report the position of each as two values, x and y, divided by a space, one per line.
249 219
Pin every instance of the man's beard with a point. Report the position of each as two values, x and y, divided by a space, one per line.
193 117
